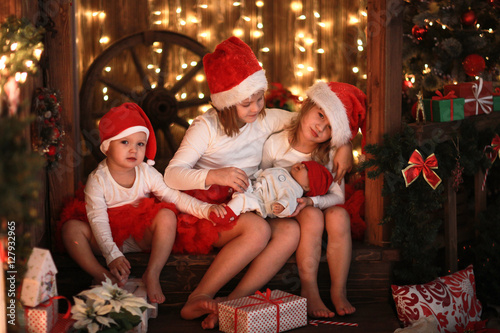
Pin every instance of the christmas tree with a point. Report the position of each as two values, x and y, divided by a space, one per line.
447 42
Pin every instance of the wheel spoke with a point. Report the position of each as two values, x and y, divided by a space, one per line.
188 76
142 74
181 122
163 63
169 137
117 87
192 102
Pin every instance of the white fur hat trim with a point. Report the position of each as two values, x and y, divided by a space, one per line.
131 130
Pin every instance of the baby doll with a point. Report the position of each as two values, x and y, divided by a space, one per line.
275 191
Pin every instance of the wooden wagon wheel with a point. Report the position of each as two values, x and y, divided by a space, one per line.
157 70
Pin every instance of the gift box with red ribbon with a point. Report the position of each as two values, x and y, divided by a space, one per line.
478 96
42 318
444 108
272 311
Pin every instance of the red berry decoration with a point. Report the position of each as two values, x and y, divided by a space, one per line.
473 64
418 32
469 18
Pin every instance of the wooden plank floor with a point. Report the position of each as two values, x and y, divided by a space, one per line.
370 317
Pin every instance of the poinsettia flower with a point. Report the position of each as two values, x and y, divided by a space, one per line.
90 313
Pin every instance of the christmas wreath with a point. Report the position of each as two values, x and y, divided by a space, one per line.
48 125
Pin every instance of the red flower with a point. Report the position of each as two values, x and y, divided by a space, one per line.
473 327
52 151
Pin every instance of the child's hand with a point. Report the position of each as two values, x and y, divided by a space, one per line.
277 208
232 177
302 203
120 268
342 162
218 210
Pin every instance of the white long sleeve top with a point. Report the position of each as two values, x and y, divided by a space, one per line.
205 146
278 153
103 192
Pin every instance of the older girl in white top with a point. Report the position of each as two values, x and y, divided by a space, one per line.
329 118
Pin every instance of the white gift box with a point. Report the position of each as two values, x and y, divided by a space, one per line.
138 289
39 283
272 311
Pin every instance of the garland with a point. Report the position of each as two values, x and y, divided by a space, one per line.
413 209
49 133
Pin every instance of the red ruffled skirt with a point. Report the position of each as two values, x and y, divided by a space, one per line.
194 235
124 221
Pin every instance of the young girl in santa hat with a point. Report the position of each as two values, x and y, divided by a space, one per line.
328 119
220 151
122 217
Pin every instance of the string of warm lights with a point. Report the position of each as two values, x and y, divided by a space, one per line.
177 15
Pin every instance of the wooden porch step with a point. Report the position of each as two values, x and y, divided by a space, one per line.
370 274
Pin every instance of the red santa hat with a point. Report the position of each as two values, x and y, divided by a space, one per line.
124 120
233 73
320 178
345 107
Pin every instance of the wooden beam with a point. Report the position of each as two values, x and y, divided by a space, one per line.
385 44
59 48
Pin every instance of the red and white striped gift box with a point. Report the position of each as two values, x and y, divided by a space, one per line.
272 311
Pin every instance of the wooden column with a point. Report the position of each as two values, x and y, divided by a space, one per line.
385 42
59 48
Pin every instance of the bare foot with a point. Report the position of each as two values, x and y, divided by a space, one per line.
212 320
198 305
342 305
153 287
316 308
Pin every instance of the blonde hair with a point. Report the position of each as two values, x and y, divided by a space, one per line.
321 153
228 118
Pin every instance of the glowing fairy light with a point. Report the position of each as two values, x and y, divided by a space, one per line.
157 70
105 97
360 48
236 4
200 78
193 63
301 66
353 20
296 6
316 15
183 95
105 90
158 22
355 70
247 19
178 10
260 25
259 3
360 42
38 53
301 48
157 13
28 63
301 17
299 74
309 41
300 35
238 32
159 50
257 34
104 40
107 69
322 24
321 51
178 77
150 66
102 15
310 69
201 95
13 47
265 49
204 6
184 66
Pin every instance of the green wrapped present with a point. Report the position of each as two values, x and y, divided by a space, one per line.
496 99
444 108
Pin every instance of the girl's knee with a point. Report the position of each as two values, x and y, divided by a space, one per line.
337 220
165 217
255 225
287 230
73 227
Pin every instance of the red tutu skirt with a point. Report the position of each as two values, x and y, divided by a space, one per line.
194 235
124 221
197 236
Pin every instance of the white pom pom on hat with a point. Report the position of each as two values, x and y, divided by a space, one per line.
124 120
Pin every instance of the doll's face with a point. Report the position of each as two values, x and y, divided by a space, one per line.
127 152
248 110
299 173
315 126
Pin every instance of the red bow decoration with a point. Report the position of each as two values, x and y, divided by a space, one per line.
440 96
417 165
496 92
